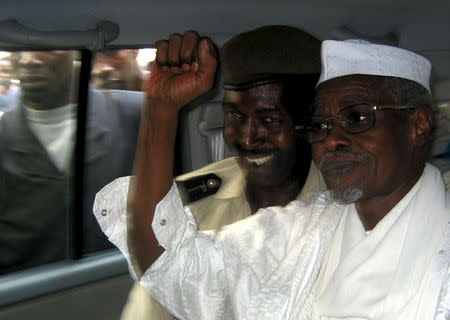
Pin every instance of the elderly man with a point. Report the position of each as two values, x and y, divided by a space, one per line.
375 246
261 107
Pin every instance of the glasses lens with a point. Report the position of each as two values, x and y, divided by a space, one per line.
313 129
358 118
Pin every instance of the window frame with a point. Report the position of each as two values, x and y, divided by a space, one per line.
77 269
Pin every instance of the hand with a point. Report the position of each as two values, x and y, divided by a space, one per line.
183 70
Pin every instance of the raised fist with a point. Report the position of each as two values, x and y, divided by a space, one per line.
183 70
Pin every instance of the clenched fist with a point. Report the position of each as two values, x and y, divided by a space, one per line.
183 70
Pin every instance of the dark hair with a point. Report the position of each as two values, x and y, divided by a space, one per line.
406 92
298 94
410 93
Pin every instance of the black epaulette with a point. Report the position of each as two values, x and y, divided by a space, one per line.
199 187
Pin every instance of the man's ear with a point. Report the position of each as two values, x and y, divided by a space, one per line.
423 120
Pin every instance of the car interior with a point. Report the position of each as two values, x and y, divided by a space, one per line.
93 282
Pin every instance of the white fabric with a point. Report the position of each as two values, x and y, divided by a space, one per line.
265 267
264 254
55 130
409 241
340 58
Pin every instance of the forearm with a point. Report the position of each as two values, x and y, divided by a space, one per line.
183 70
154 174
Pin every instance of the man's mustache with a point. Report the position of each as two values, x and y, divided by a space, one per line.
341 155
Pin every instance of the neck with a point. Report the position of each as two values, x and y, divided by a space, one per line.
266 196
372 210
45 102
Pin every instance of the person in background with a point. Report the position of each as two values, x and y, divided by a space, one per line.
117 69
375 245
37 153
262 105
9 89
4 98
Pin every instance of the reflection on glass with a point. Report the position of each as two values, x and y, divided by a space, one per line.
37 137
115 104
121 69
8 83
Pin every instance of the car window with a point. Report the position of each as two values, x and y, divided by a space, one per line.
68 126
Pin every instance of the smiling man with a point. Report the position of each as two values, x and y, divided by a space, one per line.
269 87
375 246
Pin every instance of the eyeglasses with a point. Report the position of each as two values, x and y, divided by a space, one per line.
353 119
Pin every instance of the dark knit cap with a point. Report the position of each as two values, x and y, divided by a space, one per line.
261 55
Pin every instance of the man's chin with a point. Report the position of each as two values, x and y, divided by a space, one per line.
347 195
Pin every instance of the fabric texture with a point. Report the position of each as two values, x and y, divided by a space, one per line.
266 266
241 245
248 59
414 238
340 58
228 205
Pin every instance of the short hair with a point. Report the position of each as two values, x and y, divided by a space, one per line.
298 94
411 93
406 92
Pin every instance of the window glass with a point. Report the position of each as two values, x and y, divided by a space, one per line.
121 69
114 108
37 138
44 219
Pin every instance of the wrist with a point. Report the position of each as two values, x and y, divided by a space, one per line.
161 113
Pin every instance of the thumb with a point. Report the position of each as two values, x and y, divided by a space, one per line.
207 58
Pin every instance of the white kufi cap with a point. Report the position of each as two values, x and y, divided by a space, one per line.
341 58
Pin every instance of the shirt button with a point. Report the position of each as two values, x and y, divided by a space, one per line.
104 212
163 222
212 183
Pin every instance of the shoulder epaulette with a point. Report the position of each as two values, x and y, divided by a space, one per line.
199 187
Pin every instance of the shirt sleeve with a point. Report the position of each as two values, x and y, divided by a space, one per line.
188 278
109 209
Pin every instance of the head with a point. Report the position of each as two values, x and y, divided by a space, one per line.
269 86
117 69
260 126
45 77
4 85
6 70
387 158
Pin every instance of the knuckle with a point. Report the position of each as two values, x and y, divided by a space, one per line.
175 37
191 34
185 56
161 44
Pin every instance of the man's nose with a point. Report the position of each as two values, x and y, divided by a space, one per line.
337 139
249 134
28 58
102 70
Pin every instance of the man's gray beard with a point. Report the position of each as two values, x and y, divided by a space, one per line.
346 196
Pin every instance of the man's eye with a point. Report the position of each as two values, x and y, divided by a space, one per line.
358 117
233 115
271 120
318 126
